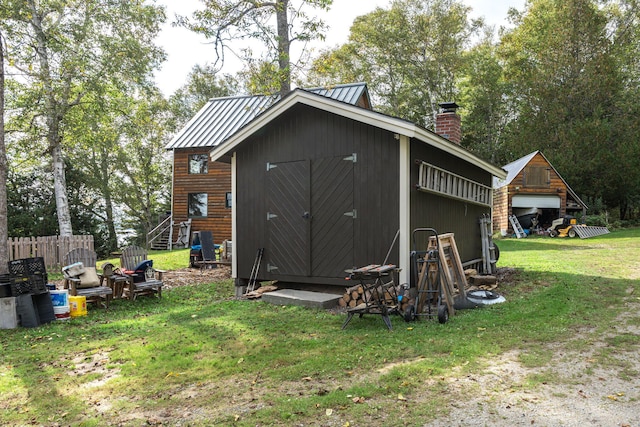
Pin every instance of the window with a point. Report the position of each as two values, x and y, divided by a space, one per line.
536 176
197 205
198 163
227 203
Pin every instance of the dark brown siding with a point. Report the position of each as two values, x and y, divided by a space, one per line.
305 133
216 183
443 214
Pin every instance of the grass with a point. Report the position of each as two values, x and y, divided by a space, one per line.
201 357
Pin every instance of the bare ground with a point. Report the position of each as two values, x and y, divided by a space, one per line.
582 390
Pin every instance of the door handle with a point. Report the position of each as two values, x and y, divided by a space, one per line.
306 215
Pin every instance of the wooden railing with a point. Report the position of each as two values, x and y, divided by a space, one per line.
436 180
161 229
51 248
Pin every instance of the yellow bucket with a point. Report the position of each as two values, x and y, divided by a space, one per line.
77 306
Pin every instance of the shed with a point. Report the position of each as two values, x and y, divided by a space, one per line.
201 190
324 186
532 188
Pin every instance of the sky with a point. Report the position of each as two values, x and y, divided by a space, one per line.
186 49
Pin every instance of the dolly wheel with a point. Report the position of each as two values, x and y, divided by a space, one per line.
409 313
443 314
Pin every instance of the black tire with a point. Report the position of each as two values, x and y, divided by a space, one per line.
410 313
572 233
443 314
553 233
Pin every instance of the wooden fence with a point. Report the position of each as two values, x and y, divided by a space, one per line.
51 248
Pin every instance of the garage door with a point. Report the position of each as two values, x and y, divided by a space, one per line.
537 201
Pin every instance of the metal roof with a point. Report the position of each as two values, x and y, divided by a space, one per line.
349 93
515 167
363 115
222 117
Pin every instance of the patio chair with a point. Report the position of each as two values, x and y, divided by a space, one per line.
145 280
82 279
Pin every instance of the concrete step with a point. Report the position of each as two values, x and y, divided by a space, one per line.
301 298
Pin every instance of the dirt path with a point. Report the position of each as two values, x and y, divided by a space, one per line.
599 386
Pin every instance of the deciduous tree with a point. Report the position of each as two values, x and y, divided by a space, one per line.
4 235
567 85
276 24
486 110
203 83
410 55
63 51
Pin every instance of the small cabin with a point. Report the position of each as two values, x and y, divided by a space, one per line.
535 193
322 186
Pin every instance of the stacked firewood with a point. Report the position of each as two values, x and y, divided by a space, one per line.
384 293
480 281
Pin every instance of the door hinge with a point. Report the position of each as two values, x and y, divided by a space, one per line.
353 214
352 158
271 166
271 268
270 216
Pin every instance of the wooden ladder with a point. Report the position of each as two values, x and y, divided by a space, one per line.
452 269
517 228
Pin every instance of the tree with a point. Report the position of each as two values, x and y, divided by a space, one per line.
142 177
410 55
4 234
202 85
485 111
65 50
228 21
566 90
624 187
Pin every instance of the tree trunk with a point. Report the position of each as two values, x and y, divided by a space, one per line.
284 44
53 119
4 233
108 202
60 189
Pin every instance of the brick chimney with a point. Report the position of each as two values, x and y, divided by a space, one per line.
448 122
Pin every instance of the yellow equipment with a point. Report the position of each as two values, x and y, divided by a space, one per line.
563 227
569 227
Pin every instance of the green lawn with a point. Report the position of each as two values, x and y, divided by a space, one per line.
201 357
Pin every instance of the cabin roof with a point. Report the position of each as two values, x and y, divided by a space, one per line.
220 118
514 168
383 121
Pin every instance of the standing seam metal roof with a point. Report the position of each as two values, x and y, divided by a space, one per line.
222 117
